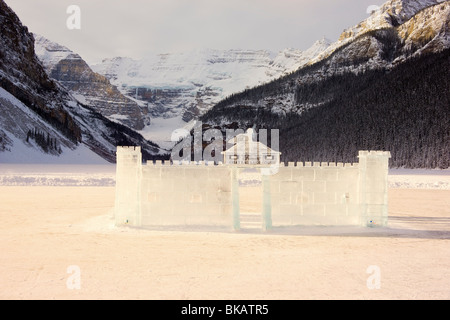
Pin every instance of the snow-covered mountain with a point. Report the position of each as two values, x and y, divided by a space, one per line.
399 30
382 85
90 88
395 13
179 87
290 60
40 120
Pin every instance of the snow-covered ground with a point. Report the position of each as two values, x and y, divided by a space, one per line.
57 227
419 179
57 175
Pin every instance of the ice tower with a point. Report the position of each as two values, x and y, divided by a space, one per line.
128 180
373 167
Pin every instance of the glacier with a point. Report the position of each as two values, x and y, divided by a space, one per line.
179 87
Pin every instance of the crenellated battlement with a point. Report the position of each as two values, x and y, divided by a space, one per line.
168 163
363 153
128 149
309 164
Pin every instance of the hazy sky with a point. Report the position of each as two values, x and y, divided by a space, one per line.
133 27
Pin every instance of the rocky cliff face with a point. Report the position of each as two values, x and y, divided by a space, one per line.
22 74
90 88
40 116
392 14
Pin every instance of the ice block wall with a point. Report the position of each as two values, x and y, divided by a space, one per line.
315 194
331 194
185 194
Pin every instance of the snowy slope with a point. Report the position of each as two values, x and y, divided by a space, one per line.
188 70
391 14
290 60
223 71
16 120
49 52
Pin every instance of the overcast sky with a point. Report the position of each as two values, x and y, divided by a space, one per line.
132 28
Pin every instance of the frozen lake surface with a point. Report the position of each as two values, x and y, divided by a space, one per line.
46 230
105 174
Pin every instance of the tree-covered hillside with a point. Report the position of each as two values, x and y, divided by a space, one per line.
405 110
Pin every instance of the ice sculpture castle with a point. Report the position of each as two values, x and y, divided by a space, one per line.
204 194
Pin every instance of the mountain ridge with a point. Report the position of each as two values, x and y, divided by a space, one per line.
38 115
326 86
90 88
183 86
378 48
391 14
